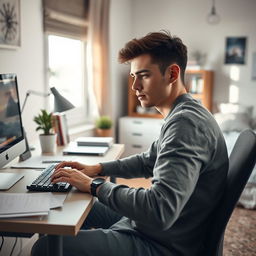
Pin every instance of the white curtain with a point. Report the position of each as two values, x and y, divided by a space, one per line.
97 57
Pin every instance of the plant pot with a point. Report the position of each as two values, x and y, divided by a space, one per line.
103 132
48 143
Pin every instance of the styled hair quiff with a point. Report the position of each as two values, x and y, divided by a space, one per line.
163 48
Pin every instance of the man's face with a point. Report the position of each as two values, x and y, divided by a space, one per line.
151 87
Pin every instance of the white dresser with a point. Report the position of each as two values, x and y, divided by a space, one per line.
138 133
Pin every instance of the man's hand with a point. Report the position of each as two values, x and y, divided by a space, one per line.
89 170
74 177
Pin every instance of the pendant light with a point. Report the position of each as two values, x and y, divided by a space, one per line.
213 17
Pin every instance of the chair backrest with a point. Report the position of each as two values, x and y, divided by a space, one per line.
241 163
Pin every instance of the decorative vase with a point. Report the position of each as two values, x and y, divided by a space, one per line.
103 132
48 143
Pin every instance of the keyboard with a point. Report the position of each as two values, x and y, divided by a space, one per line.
43 182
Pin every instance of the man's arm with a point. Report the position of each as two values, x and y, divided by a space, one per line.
183 151
136 166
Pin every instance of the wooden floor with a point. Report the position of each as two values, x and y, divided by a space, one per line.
240 235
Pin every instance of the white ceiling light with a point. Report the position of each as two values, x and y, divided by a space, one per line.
213 17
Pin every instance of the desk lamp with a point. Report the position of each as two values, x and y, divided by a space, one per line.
61 104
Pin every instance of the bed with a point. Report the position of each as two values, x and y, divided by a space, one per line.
232 119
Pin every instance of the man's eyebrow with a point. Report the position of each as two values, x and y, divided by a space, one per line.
140 71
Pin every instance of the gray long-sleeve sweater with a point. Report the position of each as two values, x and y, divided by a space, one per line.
188 165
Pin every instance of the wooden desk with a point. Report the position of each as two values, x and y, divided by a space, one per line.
62 221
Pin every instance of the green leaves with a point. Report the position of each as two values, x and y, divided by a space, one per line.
44 122
104 122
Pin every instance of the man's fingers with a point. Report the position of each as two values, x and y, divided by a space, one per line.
63 164
60 173
61 179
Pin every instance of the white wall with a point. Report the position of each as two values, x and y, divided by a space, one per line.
28 61
187 19
135 18
120 33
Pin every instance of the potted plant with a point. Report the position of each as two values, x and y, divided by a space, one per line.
103 126
48 137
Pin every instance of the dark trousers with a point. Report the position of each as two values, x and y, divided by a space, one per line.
101 240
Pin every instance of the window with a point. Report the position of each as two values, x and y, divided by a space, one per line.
66 66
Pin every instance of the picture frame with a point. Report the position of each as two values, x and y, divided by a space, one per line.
235 50
10 28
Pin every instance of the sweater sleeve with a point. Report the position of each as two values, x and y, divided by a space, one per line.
183 151
136 166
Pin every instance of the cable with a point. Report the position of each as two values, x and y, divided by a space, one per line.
2 243
20 247
16 239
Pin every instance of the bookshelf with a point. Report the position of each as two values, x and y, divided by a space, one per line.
198 82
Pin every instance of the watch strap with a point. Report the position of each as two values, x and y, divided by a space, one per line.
95 184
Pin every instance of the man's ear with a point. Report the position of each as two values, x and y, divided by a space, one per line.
173 72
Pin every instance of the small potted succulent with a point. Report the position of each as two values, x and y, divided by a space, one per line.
48 137
103 126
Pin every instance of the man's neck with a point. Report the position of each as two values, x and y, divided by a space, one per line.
174 95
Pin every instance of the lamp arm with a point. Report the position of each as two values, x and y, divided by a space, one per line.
35 93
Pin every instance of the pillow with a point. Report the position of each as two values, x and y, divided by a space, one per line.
226 108
233 121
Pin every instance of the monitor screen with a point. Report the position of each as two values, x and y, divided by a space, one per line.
12 142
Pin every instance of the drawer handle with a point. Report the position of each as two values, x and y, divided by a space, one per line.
136 146
136 134
137 122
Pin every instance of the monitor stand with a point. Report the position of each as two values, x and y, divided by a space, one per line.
7 180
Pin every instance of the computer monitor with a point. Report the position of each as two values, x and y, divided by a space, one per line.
12 142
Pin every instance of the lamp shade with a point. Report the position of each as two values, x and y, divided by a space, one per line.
61 104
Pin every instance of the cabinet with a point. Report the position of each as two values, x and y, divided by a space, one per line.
138 133
198 82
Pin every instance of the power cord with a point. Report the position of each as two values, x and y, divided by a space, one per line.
16 239
20 247
2 244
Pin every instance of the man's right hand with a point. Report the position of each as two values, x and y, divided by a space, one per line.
90 170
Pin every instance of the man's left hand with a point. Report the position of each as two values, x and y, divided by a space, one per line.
74 177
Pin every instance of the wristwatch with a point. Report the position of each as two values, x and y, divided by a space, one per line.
95 184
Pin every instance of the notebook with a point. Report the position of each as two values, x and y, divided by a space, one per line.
95 141
74 149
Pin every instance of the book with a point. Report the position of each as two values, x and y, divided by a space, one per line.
74 149
61 128
95 141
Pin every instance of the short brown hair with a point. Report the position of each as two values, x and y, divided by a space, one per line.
163 48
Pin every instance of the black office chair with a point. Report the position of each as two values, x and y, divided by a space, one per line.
241 164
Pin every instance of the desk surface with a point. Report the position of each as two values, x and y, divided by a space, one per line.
62 221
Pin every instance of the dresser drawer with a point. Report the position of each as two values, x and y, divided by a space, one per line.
138 133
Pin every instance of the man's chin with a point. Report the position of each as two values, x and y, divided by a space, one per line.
145 104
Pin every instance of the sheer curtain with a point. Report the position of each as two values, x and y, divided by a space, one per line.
97 57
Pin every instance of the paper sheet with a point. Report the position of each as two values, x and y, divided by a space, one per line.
41 162
23 203
29 204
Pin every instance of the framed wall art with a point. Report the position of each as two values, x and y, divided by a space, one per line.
235 50
10 24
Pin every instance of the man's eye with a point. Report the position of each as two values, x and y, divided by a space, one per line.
145 76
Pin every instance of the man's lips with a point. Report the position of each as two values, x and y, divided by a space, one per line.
141 96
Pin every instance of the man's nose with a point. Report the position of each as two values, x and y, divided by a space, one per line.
136 85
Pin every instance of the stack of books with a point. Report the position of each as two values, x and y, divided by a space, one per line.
97 146
95 141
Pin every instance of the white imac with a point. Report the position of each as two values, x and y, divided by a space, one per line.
12 142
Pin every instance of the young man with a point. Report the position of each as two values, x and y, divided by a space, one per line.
188 165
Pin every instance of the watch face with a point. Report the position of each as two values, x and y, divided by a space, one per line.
98 181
